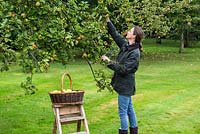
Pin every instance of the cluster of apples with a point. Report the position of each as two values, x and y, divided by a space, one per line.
62 91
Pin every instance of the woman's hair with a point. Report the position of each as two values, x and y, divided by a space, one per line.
139 34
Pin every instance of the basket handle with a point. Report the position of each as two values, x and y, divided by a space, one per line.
62 81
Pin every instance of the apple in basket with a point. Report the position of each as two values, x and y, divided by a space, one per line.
67 91
55 92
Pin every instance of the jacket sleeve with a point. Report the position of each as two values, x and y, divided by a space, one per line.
129 66
118 38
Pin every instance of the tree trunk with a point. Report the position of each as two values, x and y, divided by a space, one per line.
181 43
158 40
186 39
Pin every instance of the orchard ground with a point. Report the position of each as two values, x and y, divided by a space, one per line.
167 99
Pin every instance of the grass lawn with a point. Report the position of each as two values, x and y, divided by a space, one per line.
167 99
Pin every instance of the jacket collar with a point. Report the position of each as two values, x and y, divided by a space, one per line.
132 46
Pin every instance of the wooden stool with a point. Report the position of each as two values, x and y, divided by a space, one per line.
69 113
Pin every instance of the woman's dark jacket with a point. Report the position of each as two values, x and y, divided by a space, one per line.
126 64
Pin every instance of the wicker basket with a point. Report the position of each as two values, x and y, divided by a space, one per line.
72 97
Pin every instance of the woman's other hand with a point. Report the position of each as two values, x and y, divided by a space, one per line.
105 58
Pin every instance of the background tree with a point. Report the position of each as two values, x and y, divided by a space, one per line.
184 18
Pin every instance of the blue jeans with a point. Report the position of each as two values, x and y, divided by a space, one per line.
126 112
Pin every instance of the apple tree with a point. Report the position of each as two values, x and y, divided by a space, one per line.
184 19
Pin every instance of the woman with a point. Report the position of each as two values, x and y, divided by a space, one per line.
124 68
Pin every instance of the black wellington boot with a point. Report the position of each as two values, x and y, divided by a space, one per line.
123 131
134 130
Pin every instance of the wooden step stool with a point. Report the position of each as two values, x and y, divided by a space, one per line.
69 113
